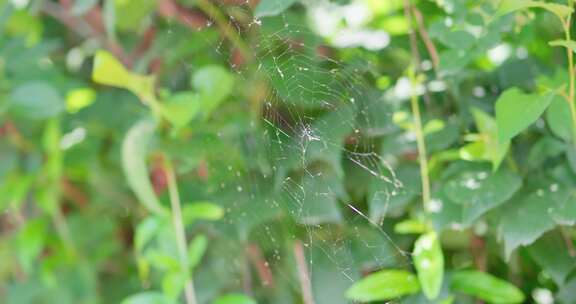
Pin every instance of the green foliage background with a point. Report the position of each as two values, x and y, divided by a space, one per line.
223 151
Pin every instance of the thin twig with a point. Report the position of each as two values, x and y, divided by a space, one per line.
432 51
179 231
303 274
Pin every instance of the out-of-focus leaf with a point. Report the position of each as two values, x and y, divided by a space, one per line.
31 240
234 299
214 83
181 108
272 7
196 250
109 71
524 219
515 111
173 284
429 263
145 232
551 254
488 147
509 6
411 226
36 100
80 7
486 287
201 211
134 153
569 44
148 297
480 190
559 118
79 99
383 285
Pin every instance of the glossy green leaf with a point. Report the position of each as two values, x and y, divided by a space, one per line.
272 7
515 111
383 285
134 155
429 264
486 287
552 254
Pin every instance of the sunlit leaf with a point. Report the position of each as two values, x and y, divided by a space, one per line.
429 263
234 299
515 111
196 250
201 211
486 287
384 285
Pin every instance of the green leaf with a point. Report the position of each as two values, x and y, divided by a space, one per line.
509 6
526 218
569 44
486 287
196 250
145 232
201 211
234 299
383 285
214 83
36 100
559 118
181 108
515 111
134 153
551 254
109 71
148 297
429 264
411 226
272 7
480 190
488 147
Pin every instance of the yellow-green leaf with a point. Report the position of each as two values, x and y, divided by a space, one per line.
486 287
384 285
429 263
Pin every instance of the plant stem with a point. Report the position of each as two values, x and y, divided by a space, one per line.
303 274
572 75
421 144
179 230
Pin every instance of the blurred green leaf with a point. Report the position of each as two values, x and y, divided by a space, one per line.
201 211
196 250
515 111
36 100
134 154
429 264
486 287
272 7
234 299
383 285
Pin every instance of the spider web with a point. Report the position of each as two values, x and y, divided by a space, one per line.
317 130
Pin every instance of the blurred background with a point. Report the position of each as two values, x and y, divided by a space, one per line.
245 151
